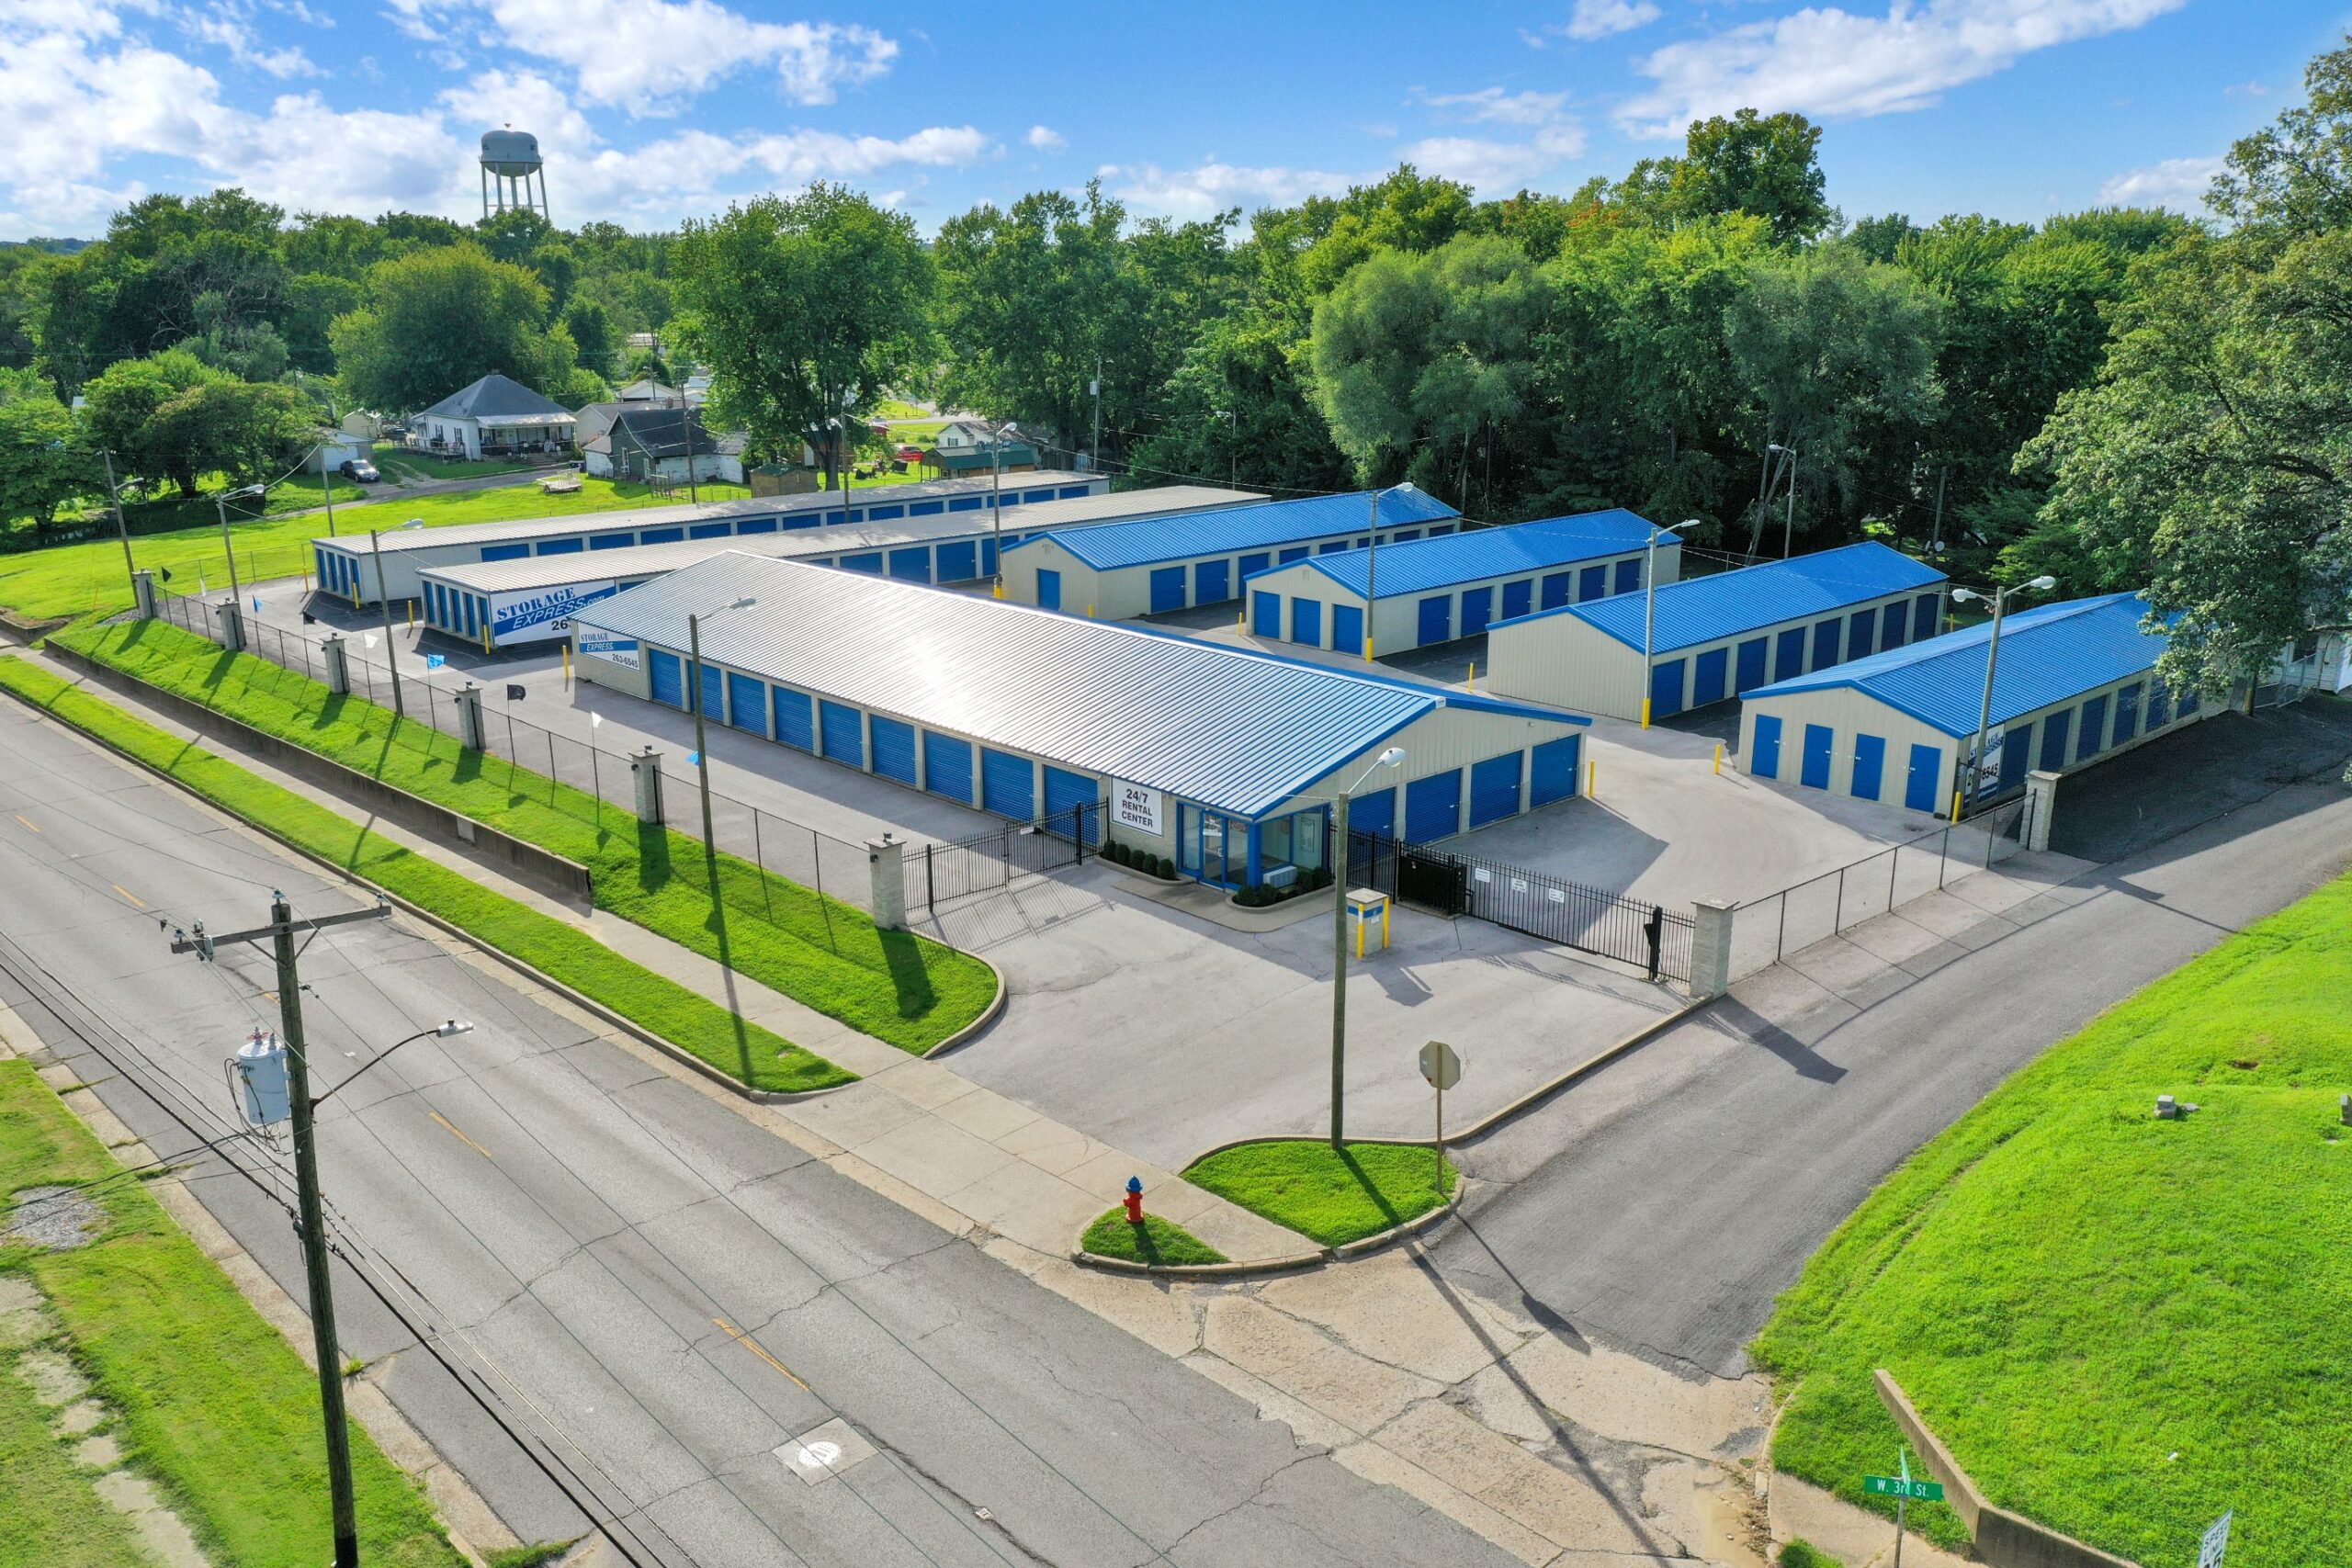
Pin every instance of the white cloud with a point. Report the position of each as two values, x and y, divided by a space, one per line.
1826 62
2176 183
1045 139
1495 168
1604 18
1494 105
1210 186
229 29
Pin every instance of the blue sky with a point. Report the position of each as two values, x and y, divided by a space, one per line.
650 110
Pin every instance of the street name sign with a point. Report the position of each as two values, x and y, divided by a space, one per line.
1899 1486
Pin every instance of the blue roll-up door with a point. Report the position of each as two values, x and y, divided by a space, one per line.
1788 654
1593 582
1436 620
2092 737
2016 748
1923 617
1559 589
1494 788
1049 589
1167 589
1813 765
1750 672
1251 565
1007 784
1552 770
988 557
504 552
965 503
2054 740
1212 582
1330 546
661 536
2159 706
911 564
709 530
1518 598
1265 613
1870 765
1666 688
868 562
756 525
2127 714
1306 622
1373 812
1433 807
714 693
1629 574
796 718
1892 623
1861 633
1824 642
1347 629
1067 794
959 562
948 766
564 546
1297 552
925 508
1477 609
843 728
1926 772
1711 668
747 703
1404 536
884 514
893 749
669 678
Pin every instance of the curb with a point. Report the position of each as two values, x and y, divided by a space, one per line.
988 1014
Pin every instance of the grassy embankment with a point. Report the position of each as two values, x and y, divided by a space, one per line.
751 1053
211 1403
894 986
2121 1326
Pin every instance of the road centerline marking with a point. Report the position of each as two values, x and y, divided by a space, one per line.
28 821
752 1345
460 1136
128 894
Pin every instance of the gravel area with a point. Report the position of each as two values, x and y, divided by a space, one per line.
57 1218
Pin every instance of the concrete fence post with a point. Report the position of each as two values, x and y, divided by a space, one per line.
232 627
142 589
886 862
1711 922
645 767
338 664
2041 808
469 730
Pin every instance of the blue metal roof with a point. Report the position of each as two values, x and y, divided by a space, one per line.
1708 609
2048 654
1227 726
1148 541
1421 566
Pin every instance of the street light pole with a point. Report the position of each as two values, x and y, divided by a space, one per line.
1371 574
1388 759
384 605
996 492
220 504
114 499
1649 602
1999 599
702 735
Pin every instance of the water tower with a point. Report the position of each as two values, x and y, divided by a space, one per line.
509 159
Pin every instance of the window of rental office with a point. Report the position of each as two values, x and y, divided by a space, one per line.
1295 840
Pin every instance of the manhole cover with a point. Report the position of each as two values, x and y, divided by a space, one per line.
57 1218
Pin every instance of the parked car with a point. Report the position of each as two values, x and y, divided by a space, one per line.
360 470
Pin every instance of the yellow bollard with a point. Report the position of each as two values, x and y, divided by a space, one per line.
412 614
1592 779
1090 612
1645 713
567 664
1474 674
1956 797
1384 922
1719 759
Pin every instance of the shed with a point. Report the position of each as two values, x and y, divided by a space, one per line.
1716 638
2074 683
1151 567
1223 759
1434 590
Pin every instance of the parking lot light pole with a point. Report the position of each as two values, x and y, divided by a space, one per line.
384 605
1649 603
1372 573
1388 759
1999 600
996 493
702 736
220 500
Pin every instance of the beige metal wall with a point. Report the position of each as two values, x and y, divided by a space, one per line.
1567 662
1447 741
1082 584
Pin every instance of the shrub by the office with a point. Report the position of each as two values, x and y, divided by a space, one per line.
895 986
1120 853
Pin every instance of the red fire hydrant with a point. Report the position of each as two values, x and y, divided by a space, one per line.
1135 1200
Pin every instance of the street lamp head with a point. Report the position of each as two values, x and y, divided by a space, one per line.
1965 595
413 522
1776 448
745 602
454 1027
1390 758
2043 584
1686 523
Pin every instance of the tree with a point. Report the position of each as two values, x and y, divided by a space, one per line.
40 467
805 308
122 409
1765 165
172 418
439 319
1235 409
591 334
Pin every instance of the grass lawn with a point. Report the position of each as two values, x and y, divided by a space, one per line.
214 1405
398 462
1154 1241
895 986
1332 1198
2121 1326
48 1513
683 1017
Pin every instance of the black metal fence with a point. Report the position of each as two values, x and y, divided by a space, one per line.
942 872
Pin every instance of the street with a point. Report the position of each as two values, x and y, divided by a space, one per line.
653 1292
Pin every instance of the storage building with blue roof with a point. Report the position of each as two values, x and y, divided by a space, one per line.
2074 683
1434 590
1224 758
1154 565
1716 638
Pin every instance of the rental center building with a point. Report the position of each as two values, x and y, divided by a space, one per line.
1718 636
1224 758
1149 568
529 599
2074 683
1434 590
347 566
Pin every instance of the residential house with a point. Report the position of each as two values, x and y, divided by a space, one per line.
965 447
657 445
497 416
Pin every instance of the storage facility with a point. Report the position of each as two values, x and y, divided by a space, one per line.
347 569
1224 758
1151 567
1434 590
1718 636
527 599
2074 683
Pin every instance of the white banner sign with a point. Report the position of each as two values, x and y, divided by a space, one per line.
1135 806
621 651
544 616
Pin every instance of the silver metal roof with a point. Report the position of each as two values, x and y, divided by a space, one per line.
710 511
527 573
1223 726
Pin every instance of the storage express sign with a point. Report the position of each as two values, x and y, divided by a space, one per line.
542 615
597 643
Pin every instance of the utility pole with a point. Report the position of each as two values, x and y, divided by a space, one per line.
384 604
114 498
1095 386
299 1106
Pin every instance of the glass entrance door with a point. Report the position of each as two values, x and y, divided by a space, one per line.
1212 848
